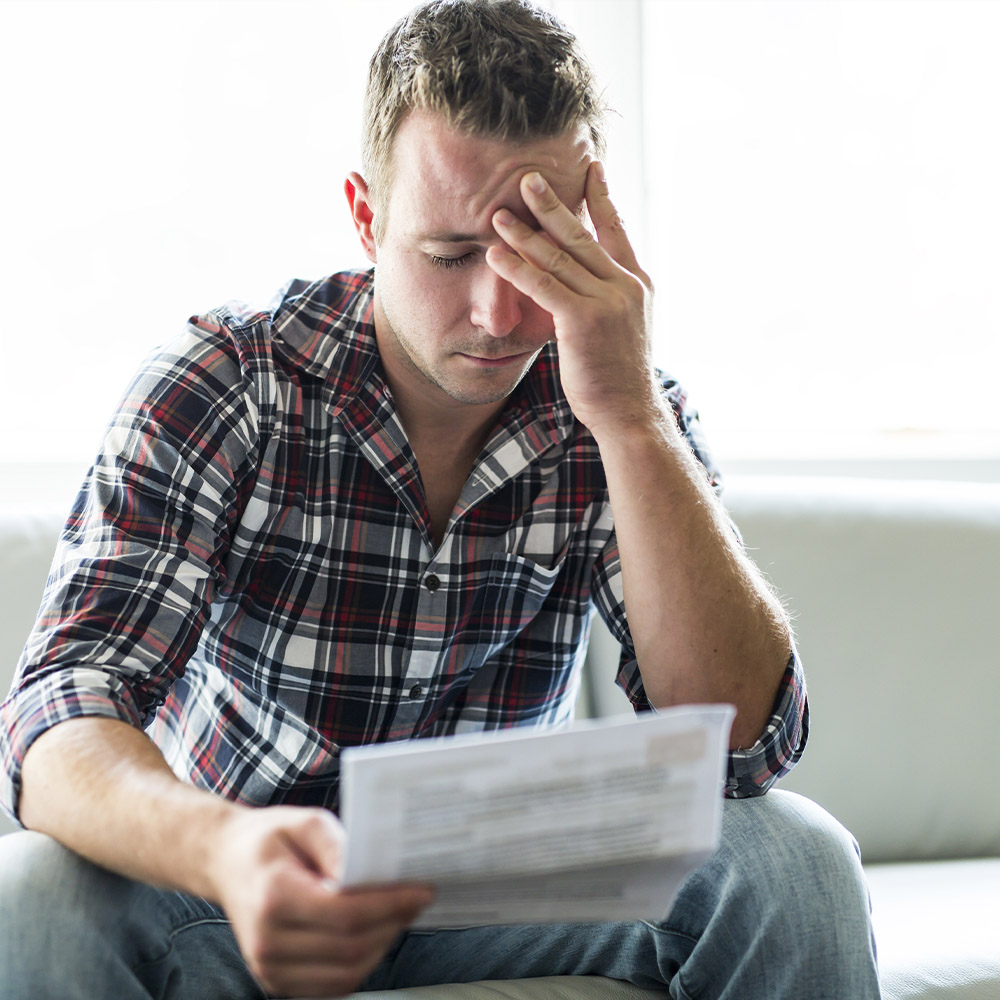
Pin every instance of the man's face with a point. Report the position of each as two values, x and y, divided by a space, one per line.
447 326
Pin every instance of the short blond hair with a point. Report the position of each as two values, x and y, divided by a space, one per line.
502 69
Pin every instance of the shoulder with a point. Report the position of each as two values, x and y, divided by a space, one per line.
210 387
238 346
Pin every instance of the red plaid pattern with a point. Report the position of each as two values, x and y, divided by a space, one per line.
248 572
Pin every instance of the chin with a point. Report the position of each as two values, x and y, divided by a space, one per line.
484 395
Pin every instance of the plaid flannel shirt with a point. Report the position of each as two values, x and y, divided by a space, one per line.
248 572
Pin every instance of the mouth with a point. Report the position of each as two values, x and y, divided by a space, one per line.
503 361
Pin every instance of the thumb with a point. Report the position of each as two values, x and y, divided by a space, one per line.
320 841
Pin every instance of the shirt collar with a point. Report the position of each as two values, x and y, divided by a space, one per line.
327 330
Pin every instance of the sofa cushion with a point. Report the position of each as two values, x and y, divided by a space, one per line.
545 988
894 587
937 929
27 542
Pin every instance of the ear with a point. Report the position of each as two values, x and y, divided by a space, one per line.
361 211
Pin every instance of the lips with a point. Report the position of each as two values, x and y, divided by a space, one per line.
495 362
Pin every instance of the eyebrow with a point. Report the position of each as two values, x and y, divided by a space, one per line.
452 237
456 237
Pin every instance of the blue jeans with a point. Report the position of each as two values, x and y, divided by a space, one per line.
779 911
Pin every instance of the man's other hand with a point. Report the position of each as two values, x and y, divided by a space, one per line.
277 878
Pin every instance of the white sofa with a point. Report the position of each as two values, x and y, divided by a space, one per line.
895 586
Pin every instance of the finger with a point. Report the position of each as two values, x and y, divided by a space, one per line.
287 951
372 907
286 946
354 911
541 286
318 838
607 222
566 229
540 250
316 961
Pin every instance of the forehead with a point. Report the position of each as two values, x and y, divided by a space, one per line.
442 176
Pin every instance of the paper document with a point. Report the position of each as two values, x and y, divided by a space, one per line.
598 822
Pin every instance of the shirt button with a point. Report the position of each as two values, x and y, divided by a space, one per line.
416 691
432 583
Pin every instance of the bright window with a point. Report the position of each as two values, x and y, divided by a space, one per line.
823 205
812 186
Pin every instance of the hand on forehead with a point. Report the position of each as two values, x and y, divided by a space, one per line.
448 183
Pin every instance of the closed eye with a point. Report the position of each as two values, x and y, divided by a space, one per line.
449 262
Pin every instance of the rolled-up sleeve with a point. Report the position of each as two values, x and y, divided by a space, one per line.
144 545
750 771
753 770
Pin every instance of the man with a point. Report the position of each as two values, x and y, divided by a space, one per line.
385 511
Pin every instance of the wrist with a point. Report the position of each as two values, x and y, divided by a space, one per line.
210 835
650 427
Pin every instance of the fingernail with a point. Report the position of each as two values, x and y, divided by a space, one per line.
503 217
536 182
599 170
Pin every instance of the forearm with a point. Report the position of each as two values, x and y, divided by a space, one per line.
103 789
705 625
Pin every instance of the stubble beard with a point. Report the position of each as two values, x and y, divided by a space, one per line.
478 387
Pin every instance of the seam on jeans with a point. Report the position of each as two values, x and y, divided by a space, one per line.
661 929
170 939
682 994
431 931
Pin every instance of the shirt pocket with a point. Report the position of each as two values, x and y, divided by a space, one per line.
515 592
519 585
518 596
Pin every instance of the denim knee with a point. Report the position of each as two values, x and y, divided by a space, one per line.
61 920
799 863
779 910
72 930
51 901
38 876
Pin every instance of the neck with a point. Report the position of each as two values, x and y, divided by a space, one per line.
446 442
457 431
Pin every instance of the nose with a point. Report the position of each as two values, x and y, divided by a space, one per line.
496 306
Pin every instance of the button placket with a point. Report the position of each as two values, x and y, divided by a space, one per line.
422 663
